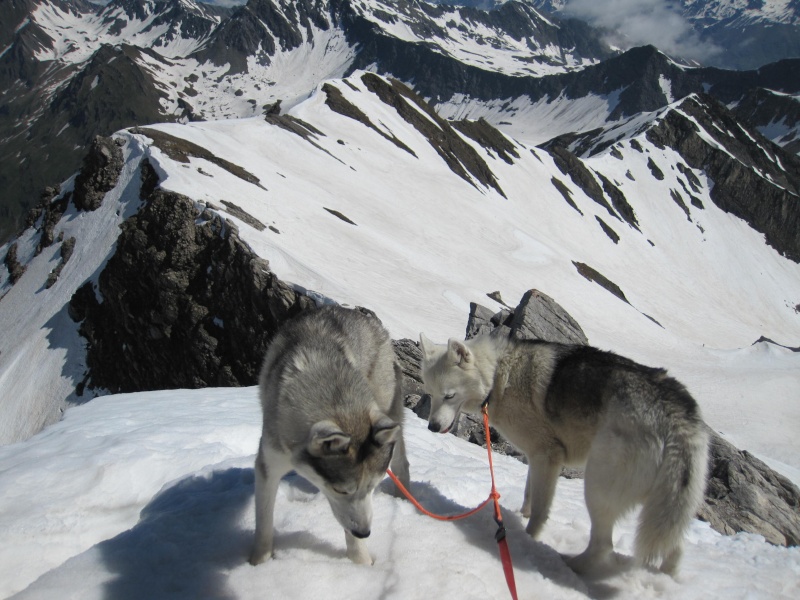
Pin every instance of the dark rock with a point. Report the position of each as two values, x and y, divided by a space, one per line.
571 165
459 156
408 357
336 101
185 304
67 247
244 216
593 275
180 150
540 317
758 182
99 174
479 321
488 137
340 216
15 269
607 230
565 192
657 173
744 494
619 201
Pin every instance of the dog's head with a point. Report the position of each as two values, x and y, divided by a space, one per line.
346 461
451 377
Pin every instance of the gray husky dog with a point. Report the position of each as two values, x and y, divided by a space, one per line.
637 431
333 411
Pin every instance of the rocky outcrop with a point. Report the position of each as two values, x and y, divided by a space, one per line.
65 253
744 494
754 179
15 269
185 302
100 173
459 156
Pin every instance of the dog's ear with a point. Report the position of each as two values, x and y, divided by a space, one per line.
458 351
428 347
327 439
384 430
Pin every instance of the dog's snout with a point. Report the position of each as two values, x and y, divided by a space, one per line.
435 427
360 534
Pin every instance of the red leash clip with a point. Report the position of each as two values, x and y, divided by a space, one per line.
500 535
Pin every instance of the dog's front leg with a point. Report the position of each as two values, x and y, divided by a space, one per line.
541 487
526 499
267 478
357 549
399 465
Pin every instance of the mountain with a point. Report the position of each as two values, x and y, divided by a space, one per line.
645 197
179 248
71 70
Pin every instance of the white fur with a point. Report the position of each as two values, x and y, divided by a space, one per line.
639 437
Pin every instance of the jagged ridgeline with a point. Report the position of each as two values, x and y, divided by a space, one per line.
71 70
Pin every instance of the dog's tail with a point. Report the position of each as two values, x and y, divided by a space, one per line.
678 488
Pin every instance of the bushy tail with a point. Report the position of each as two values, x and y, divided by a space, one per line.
675 497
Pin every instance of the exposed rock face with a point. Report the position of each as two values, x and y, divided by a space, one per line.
185 303
15 269
758 182
743 493
538 316
462 158
100 173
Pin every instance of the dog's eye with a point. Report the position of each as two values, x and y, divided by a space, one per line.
450 396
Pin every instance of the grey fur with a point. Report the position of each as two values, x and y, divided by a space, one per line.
637 430
333 411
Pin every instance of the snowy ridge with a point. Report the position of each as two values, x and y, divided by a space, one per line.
473 39
696 278
535 122
743 11
46 336
77 36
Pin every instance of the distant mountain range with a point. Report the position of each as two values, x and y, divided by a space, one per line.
70 70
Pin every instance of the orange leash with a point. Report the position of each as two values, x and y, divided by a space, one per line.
500 536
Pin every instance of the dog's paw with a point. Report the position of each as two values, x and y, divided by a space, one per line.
598 565
259 556
361 558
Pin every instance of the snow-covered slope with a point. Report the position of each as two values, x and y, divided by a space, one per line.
151 496
422 242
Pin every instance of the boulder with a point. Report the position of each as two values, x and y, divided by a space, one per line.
99 174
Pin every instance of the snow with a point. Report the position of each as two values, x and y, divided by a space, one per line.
151 496
535 122
472 42
41 332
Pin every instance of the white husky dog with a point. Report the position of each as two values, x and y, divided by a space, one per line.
333 410
637 430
